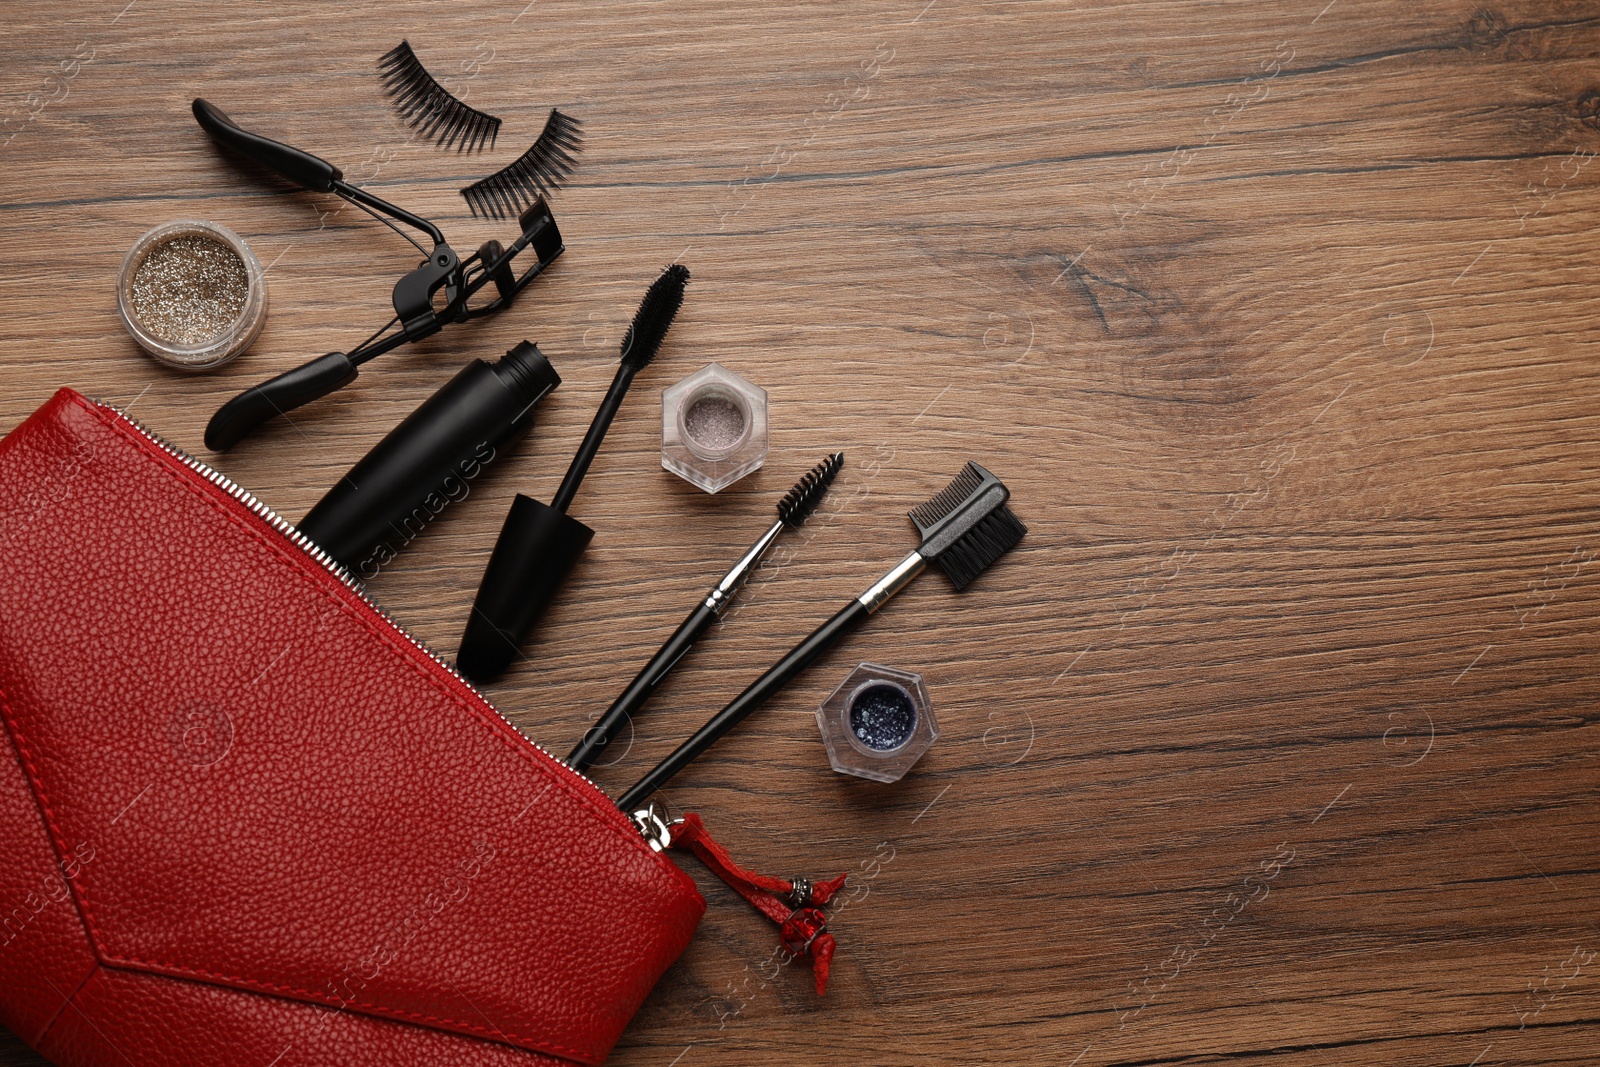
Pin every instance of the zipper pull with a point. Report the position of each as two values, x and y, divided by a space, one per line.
793 904
654 827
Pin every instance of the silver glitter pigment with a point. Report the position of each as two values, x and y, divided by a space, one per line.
714 422
189 289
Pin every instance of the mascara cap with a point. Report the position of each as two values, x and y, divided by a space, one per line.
537 548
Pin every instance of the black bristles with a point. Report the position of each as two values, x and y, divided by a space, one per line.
808 492
949 498
966 526
538 172
430 108
656 312
992 537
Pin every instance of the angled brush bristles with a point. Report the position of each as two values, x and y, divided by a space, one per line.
656 312
966 526
990 538
431 109
538 172
808 492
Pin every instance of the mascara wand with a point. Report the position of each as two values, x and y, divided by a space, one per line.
539 544
793 509
639 346
965 528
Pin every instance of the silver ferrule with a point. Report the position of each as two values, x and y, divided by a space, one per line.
722 596
890 584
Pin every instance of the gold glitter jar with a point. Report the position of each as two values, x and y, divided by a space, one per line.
192 294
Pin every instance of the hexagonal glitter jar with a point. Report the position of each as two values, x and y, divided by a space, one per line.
877 723
713 428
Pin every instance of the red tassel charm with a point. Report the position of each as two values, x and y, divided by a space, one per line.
795 905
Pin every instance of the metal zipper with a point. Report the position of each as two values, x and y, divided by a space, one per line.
654 826
338 570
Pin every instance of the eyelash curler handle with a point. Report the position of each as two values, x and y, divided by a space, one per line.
302 168
289 390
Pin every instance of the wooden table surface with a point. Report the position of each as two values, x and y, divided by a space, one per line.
1276 738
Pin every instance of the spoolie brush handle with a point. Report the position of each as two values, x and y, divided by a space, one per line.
643 685
792 510
821 639
592 440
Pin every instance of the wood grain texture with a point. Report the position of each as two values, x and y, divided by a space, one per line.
1277 736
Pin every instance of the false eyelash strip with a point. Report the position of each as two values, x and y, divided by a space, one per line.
541 170
430 108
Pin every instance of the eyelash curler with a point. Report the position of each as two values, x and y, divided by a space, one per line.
414 295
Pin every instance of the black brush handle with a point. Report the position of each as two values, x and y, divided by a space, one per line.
591 440
821 639
302 168
642 686
235 419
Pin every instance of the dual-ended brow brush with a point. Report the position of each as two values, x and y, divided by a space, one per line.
793 509
539 544
964 529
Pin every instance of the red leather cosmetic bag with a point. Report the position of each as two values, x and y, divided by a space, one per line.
245 819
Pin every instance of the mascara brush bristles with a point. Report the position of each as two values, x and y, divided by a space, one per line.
538 172
798 503
656 311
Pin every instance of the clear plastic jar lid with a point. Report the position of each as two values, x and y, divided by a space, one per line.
175 327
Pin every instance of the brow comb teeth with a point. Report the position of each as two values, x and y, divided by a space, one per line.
966 526
949 498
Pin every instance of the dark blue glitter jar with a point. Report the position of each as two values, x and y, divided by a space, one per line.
883 716
877 723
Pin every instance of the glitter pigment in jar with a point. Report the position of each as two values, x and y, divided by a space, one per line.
189 289
877 723
192 294
713 428
714 422
882 716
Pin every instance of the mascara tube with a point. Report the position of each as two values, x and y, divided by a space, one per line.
428 461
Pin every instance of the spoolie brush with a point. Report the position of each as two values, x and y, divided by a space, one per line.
539 544
796 504
964 528
808 492
534 175
431 109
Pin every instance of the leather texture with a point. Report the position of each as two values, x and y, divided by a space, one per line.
248 820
